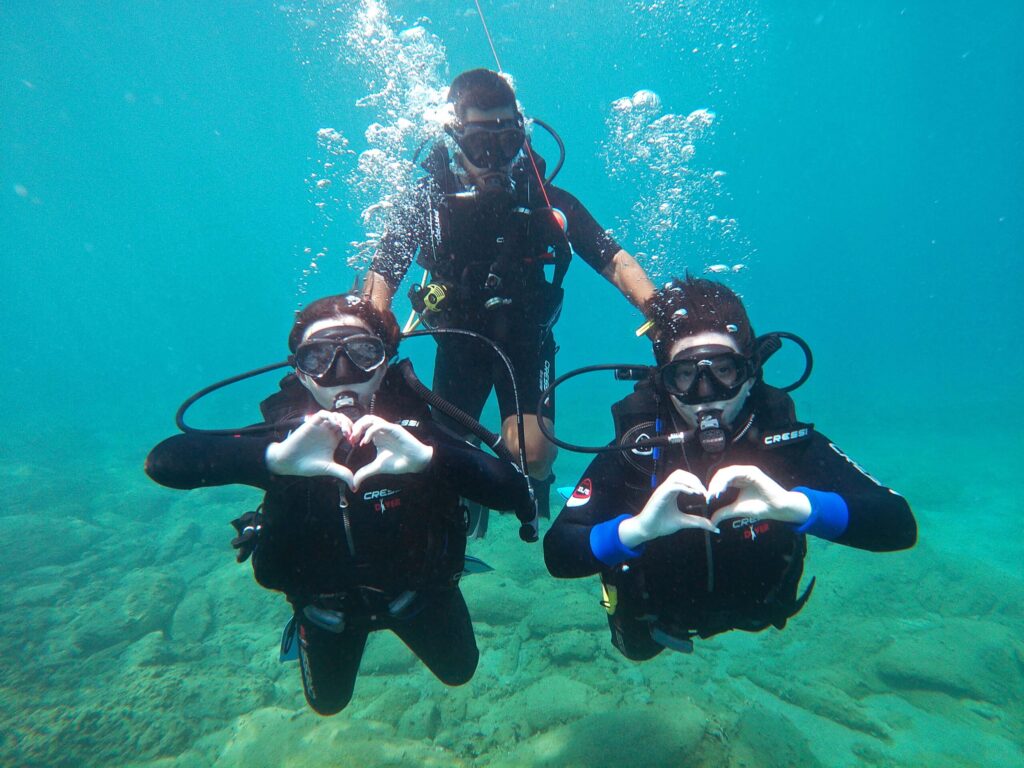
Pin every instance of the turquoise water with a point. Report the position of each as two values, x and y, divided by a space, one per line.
158 169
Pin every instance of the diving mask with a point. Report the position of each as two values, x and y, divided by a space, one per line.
490 144
706 374
340 356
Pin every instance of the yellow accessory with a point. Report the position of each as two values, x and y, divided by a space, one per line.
609 597
644 328
434 296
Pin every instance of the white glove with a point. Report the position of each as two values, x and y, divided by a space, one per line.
309 450
398 452
759 497
661 516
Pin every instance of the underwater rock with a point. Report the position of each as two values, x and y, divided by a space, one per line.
497 601
150 650
385 654
420 721
178 542
192 618
561 611
143 603
41 542
572 647
766 739
817 695
383 699
278 737
554 700
656 738
960 658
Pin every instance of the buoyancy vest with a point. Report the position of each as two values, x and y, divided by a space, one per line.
636 598
484 247
395 533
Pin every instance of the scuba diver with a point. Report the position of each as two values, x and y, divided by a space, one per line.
361 526
696 516
485 225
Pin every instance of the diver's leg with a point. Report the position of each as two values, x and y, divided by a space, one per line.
462 377
329 663
440 633
535 370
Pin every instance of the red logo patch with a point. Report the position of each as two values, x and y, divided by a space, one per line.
581 495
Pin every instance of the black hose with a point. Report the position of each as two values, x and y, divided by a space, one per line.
631 371
529 530
561 148
456 414
179 417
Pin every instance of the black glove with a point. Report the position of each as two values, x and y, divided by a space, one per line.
248 527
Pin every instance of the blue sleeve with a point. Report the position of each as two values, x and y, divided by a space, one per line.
606 544
829 514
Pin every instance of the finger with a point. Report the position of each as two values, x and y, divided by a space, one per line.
685 483
738 476
369 470
361 425
371 432
340 472
696 521
342 422
687 479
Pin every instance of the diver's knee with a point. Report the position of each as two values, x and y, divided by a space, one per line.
328 707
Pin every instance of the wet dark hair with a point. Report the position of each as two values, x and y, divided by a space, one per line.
381 323
693 305
480 88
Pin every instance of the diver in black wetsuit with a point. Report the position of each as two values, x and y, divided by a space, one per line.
719 543
361 526
485 226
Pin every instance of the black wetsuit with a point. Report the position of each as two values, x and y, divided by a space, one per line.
696 584
459 238
388 556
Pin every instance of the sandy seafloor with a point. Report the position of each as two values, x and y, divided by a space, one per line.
133 638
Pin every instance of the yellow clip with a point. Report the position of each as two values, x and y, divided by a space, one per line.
644 328
609 598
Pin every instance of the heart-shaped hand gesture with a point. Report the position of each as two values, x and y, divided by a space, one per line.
662 516
309 450
398 452
759 497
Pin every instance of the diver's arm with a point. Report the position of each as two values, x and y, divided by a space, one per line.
583 540
849 506
601 251
473 474
629 277
198 461
377 290
405 233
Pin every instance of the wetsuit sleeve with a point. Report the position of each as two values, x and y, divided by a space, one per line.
848 506
473 474
198 461
582 533
407 231
588 238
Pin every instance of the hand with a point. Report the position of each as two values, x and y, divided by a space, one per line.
759 497
398 452
309 450
661 515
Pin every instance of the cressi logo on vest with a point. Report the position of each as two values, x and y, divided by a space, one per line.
381 493
582 494
781 438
